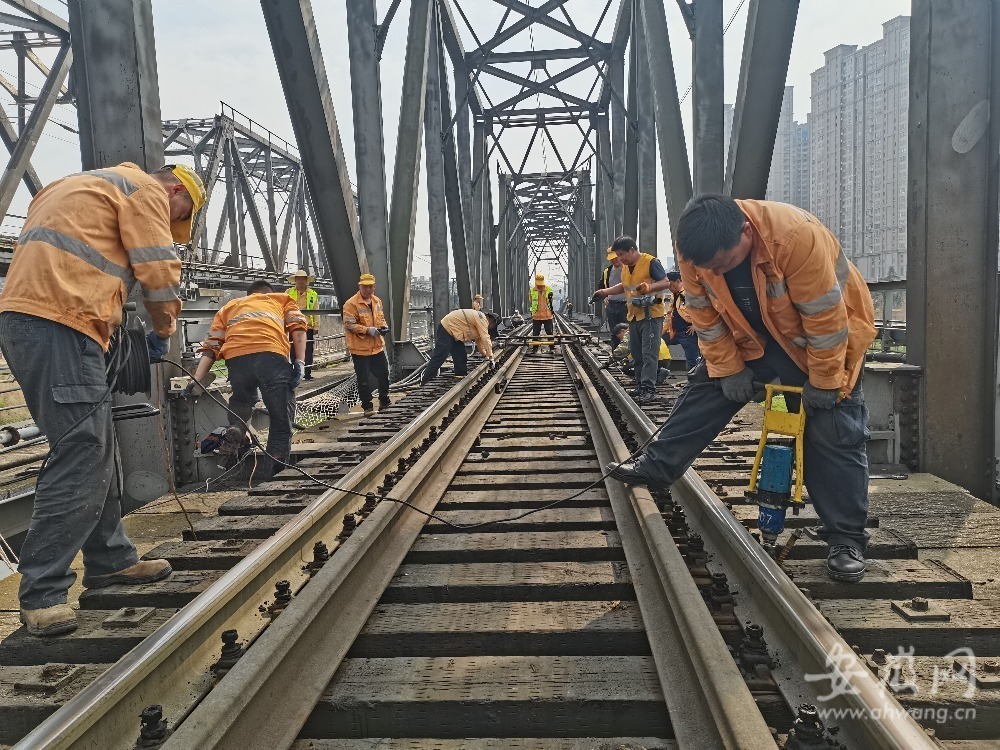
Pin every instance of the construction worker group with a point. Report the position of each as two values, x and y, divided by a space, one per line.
763 292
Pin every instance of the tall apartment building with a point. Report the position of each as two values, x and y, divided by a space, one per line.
858 132
788 181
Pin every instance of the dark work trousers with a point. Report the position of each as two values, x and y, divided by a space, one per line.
371 366
616 312
644 344
445 345
688 341
836 464
77 504
536 328
310 343
271 374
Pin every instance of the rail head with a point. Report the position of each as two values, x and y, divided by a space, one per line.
816 664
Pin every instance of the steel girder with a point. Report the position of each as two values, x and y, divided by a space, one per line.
295 44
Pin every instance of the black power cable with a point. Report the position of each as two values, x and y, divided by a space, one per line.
459 526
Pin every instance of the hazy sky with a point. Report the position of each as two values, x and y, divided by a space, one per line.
219 50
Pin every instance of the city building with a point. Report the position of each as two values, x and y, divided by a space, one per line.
858 134
788 181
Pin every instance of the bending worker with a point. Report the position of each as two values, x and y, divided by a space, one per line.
622 353
251 333
364 328
642 277
86 240
677 328
773 297
615 309
307 299
454 330
541 309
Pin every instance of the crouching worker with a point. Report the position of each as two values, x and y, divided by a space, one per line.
251 333
455 329
622 352
87 238
772 297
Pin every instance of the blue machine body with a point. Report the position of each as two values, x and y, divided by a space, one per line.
774 490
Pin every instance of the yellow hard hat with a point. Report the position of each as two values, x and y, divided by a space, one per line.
478 296
539 278
612 254
181 230
366 278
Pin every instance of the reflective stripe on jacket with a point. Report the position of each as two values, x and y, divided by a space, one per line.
359 316
87 239
631 278
679 305
540 308
813 300
253 324
312 302
470 325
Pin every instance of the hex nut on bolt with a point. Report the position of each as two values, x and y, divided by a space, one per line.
153 730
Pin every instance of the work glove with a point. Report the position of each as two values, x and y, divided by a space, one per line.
158 347
739 387
819 398
298 372
373 332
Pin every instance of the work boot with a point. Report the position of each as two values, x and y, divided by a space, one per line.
144 571
384 404
845 563
662 375
369 409
646 397
54 620
632 472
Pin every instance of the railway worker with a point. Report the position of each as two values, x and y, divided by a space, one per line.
87 238
365 329
622 353
677 328
540 296
307 298
455 329
251 333
477 302
642 278
615 309
773 297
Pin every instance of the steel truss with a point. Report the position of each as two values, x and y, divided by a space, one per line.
250 173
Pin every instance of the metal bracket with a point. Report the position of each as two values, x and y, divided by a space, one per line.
919 609
128 617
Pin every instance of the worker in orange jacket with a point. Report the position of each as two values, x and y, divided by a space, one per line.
773 297
365 329
456 329
251 333
677 328
87 240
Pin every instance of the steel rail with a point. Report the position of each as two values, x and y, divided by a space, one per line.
266 698
708 700
172 666
804 642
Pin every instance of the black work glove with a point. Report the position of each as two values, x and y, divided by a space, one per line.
819 398
739 387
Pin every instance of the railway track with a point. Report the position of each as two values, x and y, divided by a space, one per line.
500 623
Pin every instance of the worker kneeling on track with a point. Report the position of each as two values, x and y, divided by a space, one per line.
643 278
251 333
454 330
541 295
622 353
365 329
773 298
87 238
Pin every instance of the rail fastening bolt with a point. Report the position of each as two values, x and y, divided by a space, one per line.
919 604
878 656
152 728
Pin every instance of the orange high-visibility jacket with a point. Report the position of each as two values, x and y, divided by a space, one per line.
470 325
253 324
359 316
813 300
679 305
87 239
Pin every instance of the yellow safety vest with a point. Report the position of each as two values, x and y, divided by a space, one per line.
631 278
312 302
